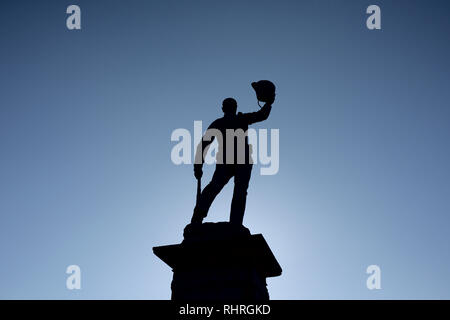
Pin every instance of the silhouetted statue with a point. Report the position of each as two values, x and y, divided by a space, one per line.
223 261
233 158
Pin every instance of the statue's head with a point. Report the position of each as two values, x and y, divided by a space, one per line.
229 106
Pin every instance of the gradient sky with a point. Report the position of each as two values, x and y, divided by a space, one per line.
86 118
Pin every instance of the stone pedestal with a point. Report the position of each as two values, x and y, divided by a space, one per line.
219 261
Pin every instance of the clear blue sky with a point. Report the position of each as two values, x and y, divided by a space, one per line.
86 118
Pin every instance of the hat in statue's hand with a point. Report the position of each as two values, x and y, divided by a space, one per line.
265 90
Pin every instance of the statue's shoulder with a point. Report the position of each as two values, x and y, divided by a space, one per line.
215 124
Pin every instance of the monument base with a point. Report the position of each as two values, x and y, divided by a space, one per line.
219 261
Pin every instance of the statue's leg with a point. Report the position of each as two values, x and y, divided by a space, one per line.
220 178
241 180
